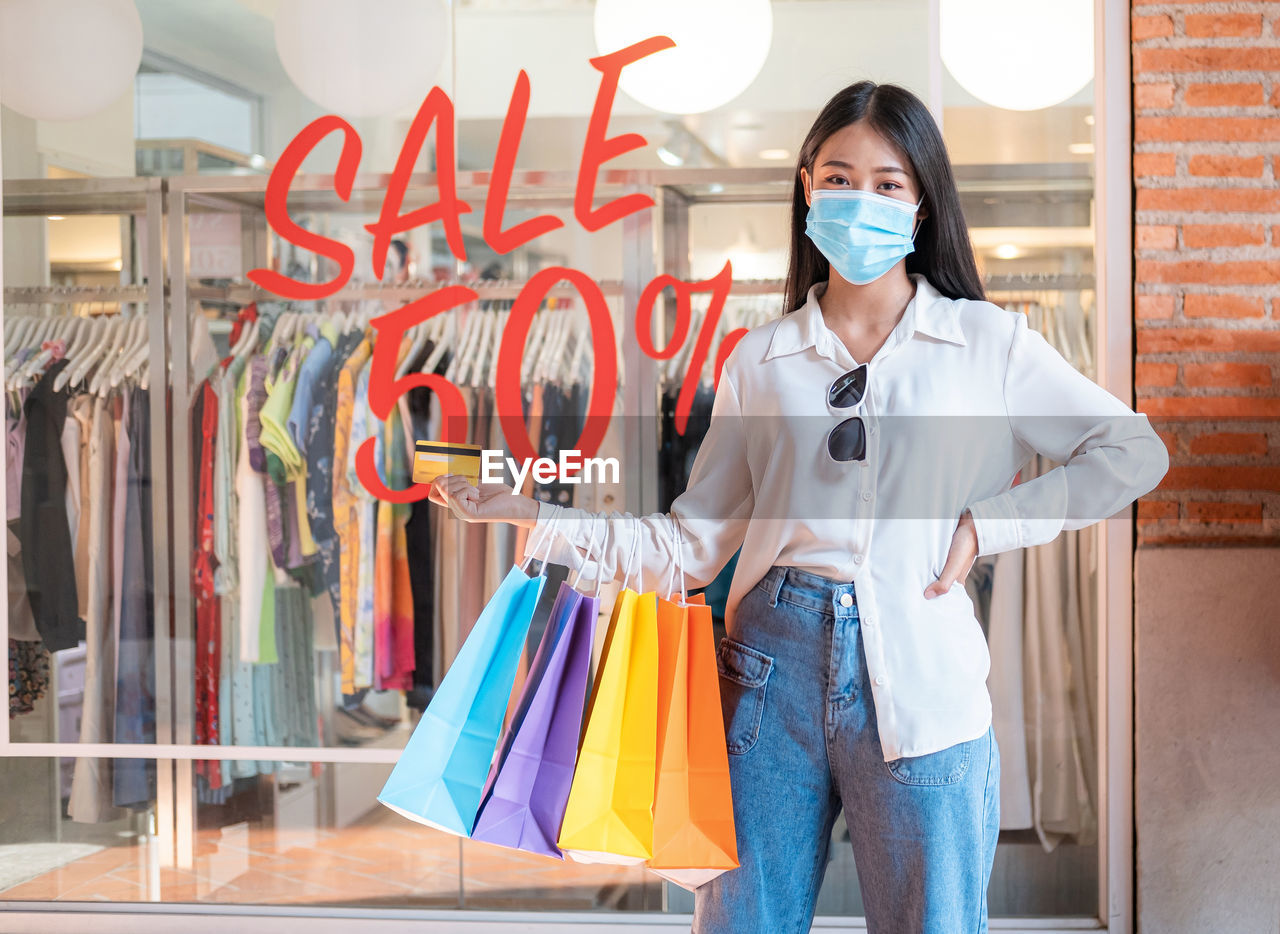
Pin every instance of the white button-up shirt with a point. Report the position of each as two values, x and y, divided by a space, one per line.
958 399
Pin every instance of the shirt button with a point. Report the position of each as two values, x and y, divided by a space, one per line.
868 621
866 496
846 600
880 680
857 559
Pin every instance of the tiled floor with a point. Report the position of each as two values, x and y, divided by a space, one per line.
384 860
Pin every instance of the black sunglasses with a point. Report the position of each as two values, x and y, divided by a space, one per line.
848 440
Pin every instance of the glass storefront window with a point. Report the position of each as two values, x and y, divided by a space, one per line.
152 215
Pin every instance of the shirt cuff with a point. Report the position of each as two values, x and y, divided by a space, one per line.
1027 514
996 522
536 540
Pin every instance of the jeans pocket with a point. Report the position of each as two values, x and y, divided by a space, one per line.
743 674
944 767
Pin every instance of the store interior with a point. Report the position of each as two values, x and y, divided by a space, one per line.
148 215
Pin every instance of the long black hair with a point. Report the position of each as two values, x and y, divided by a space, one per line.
943 252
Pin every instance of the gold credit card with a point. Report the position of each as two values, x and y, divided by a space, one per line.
433 459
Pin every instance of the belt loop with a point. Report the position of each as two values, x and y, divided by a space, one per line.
775 584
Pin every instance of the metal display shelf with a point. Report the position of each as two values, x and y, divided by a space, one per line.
143 199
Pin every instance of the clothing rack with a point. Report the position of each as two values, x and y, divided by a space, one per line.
486 289
1033 281
74 294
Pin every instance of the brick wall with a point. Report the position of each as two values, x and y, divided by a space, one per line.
1206 165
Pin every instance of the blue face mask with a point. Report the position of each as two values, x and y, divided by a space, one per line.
861 233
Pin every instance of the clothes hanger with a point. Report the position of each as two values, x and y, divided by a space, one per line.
676 365
86 338
485 349
533 345
1084 333
43 332
420 336
247 331
464 345
124 363
475 358
557 363
548 338
15 326
109 334
448 332
133 363
582 330
552 344
44 356
499 328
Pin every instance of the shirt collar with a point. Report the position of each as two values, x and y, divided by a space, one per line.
929 312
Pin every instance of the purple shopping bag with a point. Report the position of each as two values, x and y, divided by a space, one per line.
529 784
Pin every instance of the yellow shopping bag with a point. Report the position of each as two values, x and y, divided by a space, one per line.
609 817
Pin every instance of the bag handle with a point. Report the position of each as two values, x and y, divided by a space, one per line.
599 558
635 541
587 557
543 539
639 538
677 559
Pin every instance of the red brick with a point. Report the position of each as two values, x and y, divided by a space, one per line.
1201 58
1212 25
1196 236
1275 85
1223 95
1157 238
1187 535
1215 129
1258 272
1222 477
1157 509
1223 165
1229 442
1154 163
1210 407
1153 96
1155 374
1221 306
1155 306
1224 512
1226 374
1218 200
1151 27
1207 340
1275 236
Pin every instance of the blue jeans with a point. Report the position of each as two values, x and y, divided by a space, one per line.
801 731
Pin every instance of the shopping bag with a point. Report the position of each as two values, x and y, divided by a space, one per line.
694 838
609 816
440 777
528 787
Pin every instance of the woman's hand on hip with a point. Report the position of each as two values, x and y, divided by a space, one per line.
960 558
488 502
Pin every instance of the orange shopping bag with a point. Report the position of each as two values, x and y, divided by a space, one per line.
694 839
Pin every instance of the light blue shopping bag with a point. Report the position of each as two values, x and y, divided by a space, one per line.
440 776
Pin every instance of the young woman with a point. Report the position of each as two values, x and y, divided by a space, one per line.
861 452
